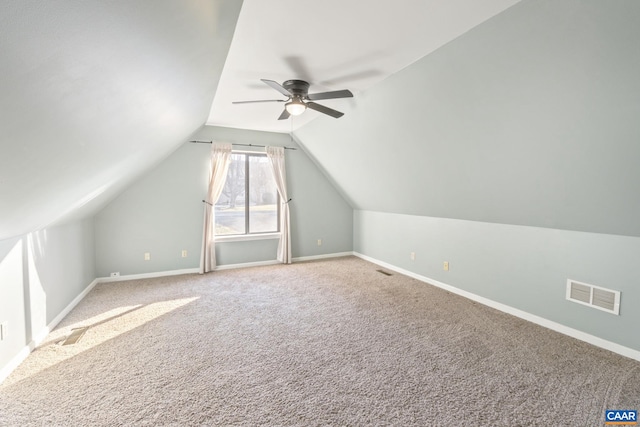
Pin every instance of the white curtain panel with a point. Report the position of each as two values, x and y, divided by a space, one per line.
220 159
276 156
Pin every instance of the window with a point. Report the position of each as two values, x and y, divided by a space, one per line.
249 203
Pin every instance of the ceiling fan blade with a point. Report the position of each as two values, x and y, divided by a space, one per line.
262 100
277 86
330 95
285 115
326 110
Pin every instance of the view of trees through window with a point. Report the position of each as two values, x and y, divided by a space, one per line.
249 201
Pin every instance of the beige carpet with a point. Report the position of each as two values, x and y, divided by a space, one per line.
320 343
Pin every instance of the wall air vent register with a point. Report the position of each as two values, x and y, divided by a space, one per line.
594 296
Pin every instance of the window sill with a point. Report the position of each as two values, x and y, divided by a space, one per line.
246 237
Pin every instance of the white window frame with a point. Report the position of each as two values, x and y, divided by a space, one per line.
248 235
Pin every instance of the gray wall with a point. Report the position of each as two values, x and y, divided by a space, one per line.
528 119
40 274
511 152
524 267
162 212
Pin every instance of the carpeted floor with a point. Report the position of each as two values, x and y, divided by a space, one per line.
319 343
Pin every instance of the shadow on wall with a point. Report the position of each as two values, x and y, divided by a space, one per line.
41 273
24 307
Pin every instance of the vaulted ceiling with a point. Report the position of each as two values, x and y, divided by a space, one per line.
517 112
333 44
94 93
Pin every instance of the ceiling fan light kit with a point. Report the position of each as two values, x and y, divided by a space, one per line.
299 98
295 107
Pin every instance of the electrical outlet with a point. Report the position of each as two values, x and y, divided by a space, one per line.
115 274
147 256
445 266
412 255
319 242
3 331
184 253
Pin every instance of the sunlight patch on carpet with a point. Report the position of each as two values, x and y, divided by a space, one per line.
98 330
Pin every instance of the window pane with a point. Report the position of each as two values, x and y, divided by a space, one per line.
230 207
263 196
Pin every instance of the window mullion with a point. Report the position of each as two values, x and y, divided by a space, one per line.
246 194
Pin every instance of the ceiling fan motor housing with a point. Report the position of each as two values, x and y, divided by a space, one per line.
296 87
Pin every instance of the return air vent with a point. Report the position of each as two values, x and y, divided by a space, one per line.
594 296
75 336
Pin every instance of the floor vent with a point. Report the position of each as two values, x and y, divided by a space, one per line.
386 273
594 296
75 336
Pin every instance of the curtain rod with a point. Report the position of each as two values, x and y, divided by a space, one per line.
243 145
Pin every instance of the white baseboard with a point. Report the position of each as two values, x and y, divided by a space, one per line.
274 262
549 324
39 337
323 256
66 311
15 362
218 268
246 265
148 275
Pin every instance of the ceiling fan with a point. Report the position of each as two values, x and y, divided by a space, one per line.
299 98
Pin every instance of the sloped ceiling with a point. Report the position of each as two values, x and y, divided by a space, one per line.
92 93
531 118
333 44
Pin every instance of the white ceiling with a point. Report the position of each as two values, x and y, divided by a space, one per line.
333 44
94 93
